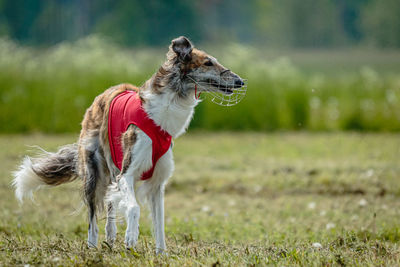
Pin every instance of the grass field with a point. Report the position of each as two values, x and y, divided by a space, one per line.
235 199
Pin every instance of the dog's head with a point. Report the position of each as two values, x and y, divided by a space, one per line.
191 67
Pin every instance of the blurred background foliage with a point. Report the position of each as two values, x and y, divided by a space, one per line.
311 64
292 23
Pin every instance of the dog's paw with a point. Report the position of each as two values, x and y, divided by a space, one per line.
111 233
91 245
130 240
132 230
161 252
92 237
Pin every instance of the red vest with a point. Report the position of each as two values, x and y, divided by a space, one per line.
126 109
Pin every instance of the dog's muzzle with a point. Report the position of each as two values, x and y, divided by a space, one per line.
225 93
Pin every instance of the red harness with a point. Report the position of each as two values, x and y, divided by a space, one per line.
126 109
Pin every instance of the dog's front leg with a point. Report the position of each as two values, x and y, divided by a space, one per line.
156 202
111 227
137 159
132 211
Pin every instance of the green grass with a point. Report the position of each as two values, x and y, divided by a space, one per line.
48 90
235 199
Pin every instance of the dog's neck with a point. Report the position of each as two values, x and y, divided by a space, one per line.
168 108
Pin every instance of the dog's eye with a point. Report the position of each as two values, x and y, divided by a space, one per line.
208 63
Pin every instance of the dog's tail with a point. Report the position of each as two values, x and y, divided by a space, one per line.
47 169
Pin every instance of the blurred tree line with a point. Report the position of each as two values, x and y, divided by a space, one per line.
291 23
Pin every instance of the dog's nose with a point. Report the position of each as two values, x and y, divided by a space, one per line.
239 82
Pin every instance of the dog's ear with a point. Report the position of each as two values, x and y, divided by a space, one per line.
182 48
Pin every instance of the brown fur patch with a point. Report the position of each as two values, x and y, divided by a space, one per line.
160 80
128 140
200 57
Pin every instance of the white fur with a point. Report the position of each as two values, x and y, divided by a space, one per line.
141 156
171 112
25 180
131 208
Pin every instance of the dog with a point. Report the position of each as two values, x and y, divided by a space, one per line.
112 154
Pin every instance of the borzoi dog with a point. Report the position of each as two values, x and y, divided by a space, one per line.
126 137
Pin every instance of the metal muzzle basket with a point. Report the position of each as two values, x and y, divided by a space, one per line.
222 94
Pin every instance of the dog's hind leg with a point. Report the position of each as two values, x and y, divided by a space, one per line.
90 168
90 197
95 192
93 232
